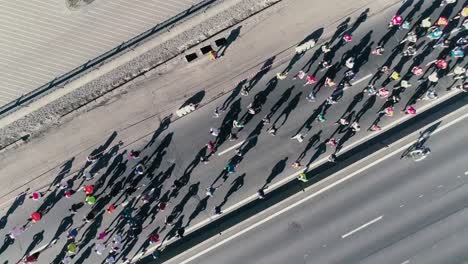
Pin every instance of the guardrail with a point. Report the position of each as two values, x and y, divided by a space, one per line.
30 96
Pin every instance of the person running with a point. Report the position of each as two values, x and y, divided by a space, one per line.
379 50
214 132
99 248
347 38
300 75
355 126
458 73
272 130
350 63
326 48
153 238
311 97
310 79
329 82
324 65
383 92
299 137
16 231
296 165
134 154
332 142
36 196
72 234
396 20
418 71
410 37
139 169
370 90
388 111
89 217
116 244
410 110
237 124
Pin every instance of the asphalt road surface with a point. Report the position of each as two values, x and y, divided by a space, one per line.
399 211
174 151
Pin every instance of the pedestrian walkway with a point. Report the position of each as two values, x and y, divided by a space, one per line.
42 40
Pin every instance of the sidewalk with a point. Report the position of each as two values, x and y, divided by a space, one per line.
40 160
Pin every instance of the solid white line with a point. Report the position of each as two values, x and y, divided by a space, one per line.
231 148
362 227
362 79
466 172
405 262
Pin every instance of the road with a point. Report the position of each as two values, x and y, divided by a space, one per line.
42 40
398 211
172 152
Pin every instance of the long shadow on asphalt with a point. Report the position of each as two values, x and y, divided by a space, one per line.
315 175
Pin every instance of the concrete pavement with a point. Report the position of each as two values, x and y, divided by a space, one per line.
44 40
397 211
180 143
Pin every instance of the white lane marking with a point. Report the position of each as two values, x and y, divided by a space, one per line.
362 79
231 148
362 226
294 175
401 205
458 176
466 172
420 196
405 262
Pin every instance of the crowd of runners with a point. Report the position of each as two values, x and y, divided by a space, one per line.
136 201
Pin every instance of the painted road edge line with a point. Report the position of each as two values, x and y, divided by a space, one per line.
362 226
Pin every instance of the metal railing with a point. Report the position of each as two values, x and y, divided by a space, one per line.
30 96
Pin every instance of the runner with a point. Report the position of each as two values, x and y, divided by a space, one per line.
310 79
300 75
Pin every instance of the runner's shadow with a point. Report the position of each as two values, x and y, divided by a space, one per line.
66 167
312 141
64 225
229 40
297 56
277 170
340 29
193 191
405 5
262 72
165 122
365 107
98 151
201 206
7 242
320 149
287 111
235 186
17 203
85 255
37 238
195 99
235 92
284 97
361 19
